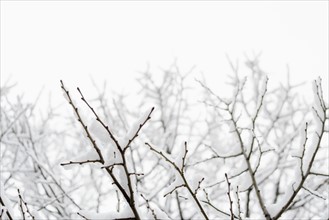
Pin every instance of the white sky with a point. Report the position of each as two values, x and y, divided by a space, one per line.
43 42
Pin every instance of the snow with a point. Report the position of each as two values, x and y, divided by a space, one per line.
122 178
66 96
6 201
98 131
273 209
111 155
244 181
91 154
123 142
136 125
193 178
146 213
158 149
260 95
180 154
177 182
231 126
133 129
124 213
299 151
317 122
159 213
310 150
317 104
254 216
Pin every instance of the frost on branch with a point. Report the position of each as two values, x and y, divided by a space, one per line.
6 209
31 150
266 124
124 214
254 153
98 131
133 130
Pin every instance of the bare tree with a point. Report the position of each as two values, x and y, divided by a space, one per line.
261 152
30 153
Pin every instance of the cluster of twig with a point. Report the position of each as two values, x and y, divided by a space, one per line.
241 147
128 195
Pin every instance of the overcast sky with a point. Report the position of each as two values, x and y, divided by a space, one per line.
45 41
